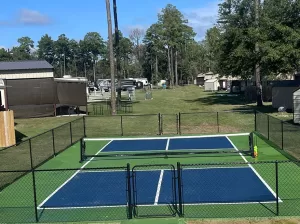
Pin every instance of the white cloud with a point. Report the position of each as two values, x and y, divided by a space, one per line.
2 47
127 29
32 17
201 19
27 17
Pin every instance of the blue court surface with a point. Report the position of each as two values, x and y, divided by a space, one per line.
200 186
193 143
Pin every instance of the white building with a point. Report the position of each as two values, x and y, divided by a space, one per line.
26 70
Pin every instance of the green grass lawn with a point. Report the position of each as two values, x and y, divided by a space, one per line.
190 101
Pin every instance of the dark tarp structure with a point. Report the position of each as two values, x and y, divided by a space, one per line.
31 97
71 95
39 97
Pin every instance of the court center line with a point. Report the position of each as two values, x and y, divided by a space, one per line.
256 173
158 187
167 145
63 184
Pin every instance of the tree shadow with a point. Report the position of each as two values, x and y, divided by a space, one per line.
220 98
237 100
19 136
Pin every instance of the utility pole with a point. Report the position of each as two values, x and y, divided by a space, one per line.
117 43
111 57
257 51
64 63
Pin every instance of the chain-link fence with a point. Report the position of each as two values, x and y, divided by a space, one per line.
170 124
35 151
283 134
220 190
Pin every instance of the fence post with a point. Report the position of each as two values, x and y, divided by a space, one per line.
53 143
218 122
268 127
71 133
282 135
277 197
30 152
129 191
122 131
159 123
84 126
180 201
179 123
255 121
34 196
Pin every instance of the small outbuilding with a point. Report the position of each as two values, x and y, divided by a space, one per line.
282 93
211 85
296 106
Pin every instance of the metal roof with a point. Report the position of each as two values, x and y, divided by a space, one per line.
24 65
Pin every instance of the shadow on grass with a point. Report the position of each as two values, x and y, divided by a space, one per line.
220 98
232 99
19 136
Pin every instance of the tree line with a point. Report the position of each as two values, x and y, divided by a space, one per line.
250 38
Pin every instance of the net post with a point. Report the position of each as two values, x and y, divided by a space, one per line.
71 133
218 122
180 201
122 130
129 191
179 123
251 144
34 196
82 150
53 143
268 118
84 126
277 197
255 117
282 135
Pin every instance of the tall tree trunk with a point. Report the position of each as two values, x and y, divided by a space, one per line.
169 66
257 66
176 67
111 59
172 66
156 69
117 40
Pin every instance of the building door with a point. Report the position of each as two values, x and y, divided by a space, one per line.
2 98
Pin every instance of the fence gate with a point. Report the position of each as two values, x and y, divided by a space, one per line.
154 191
169 124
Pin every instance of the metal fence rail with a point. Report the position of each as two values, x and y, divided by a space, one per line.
220 190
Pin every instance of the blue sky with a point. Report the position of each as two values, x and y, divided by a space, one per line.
75 18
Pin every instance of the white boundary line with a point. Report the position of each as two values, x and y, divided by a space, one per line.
63 184
159 187
174 137
256 173
167 146
153 205
104 206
